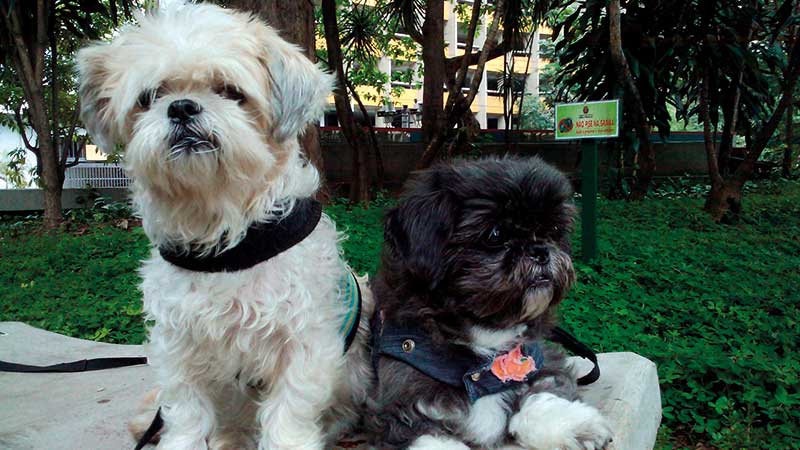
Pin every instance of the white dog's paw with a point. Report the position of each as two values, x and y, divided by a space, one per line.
181 442
295 440
430 442
231 440
548 422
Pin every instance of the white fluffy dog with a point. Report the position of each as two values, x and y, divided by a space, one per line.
209 103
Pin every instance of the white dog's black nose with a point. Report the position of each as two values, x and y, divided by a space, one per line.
539 253
183 110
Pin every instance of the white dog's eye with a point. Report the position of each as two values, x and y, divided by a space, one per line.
231 93
146 98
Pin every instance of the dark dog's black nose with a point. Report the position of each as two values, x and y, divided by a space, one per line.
540 253
182 110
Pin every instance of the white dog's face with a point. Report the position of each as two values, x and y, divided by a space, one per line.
209 103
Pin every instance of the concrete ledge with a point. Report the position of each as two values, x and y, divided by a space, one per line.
89 410
19 200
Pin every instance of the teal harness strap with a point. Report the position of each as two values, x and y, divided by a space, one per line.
350 295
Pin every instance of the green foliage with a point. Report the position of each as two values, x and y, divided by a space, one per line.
100 210
13 170
363 231
716 307
365 35
536 115
78 285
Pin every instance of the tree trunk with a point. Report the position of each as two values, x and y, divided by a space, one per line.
456 105
373 139
786 165
28 59
295 21
647 156
434 77
721 197
726 194
359 186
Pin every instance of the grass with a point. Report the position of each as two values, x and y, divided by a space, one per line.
715 306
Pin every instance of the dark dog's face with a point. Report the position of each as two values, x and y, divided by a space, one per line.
489 239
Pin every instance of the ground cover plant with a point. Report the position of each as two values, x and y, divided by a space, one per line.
715 306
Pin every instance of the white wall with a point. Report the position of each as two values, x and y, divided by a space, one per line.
9 140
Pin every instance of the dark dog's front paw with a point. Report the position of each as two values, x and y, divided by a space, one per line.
546 422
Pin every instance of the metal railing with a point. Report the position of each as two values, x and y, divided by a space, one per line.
97 175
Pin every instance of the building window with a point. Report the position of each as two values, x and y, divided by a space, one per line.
462 31
492 123
493 82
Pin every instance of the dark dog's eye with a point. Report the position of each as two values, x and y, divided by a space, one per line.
495 237
146 98
231 93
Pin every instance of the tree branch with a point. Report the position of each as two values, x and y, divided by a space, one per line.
488 45
71 135
28 74
41 38
464 67
452 64
22 130
768 129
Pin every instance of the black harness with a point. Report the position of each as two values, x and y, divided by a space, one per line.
262 242
456 365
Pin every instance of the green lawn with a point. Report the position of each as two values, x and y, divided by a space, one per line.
715 306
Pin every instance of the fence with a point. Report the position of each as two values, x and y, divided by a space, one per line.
333 135
95 175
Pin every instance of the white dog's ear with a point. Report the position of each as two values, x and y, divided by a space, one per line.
299 88
95 95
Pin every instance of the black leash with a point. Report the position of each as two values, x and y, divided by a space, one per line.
152 430
84 365
569 342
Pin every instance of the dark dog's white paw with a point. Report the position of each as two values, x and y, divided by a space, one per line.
548 422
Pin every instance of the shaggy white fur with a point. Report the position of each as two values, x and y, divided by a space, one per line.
248 358
429 442
546 421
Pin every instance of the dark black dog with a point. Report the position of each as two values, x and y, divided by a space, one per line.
477 256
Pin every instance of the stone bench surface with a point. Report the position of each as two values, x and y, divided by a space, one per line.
90 410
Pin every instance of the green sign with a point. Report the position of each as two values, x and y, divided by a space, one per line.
587 120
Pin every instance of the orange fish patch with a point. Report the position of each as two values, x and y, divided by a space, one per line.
513 366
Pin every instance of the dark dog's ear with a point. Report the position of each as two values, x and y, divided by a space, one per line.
418 229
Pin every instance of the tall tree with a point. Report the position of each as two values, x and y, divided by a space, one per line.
354 133
744 58
638 114
606 54
36 41
508 22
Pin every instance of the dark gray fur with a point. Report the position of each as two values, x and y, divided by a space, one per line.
439 273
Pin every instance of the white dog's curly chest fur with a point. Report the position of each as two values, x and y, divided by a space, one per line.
241 323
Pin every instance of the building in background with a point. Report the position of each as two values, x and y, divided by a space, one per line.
488 105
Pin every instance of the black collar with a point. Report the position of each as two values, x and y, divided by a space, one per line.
262 242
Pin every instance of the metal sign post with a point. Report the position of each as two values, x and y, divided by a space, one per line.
589 169
589 121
